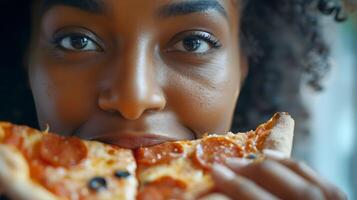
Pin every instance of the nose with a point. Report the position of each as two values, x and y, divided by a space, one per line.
132 88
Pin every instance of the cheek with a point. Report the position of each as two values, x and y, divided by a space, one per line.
205 106
64 96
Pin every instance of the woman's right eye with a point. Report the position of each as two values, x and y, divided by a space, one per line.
78 43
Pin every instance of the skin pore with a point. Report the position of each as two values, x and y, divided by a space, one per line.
135 72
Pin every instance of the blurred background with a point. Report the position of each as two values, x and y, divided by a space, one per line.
333 111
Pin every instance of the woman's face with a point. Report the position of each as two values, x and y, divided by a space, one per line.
133 72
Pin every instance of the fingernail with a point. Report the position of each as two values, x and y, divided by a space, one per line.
275 154
223 172
237 162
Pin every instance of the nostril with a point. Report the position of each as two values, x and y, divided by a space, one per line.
111 111
105 102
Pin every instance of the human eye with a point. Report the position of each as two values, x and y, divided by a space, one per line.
77 42
197 42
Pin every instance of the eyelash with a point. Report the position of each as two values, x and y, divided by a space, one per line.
207 37
58 39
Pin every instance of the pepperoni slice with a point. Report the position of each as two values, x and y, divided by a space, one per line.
162 153
162 189
216 150
14 139
62 151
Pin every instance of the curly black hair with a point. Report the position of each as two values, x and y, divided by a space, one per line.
282 39
286 49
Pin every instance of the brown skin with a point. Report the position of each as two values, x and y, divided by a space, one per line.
142 80
136 83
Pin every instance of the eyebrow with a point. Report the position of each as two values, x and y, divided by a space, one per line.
188 7
171 10
93 6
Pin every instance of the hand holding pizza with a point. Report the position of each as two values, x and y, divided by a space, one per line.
276 177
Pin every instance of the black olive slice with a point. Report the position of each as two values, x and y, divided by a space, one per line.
97 183
121 174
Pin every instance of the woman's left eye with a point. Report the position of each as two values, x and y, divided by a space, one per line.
198 43
78 43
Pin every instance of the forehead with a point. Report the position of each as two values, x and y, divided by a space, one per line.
167 7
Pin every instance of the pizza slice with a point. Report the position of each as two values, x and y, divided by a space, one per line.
40 165
43 166
181 170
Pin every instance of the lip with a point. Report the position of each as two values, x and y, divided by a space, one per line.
132 140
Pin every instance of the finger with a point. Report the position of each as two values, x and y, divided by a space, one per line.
276 155
237 187
215 196
277 179
330 191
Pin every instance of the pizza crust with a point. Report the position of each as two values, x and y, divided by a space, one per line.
281 136
15 179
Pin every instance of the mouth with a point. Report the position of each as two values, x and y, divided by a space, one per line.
132 140
149 130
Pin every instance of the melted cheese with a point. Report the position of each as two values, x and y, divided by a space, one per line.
103 164
196 180
180 169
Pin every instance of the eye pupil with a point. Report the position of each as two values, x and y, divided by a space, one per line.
79 42
191 44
